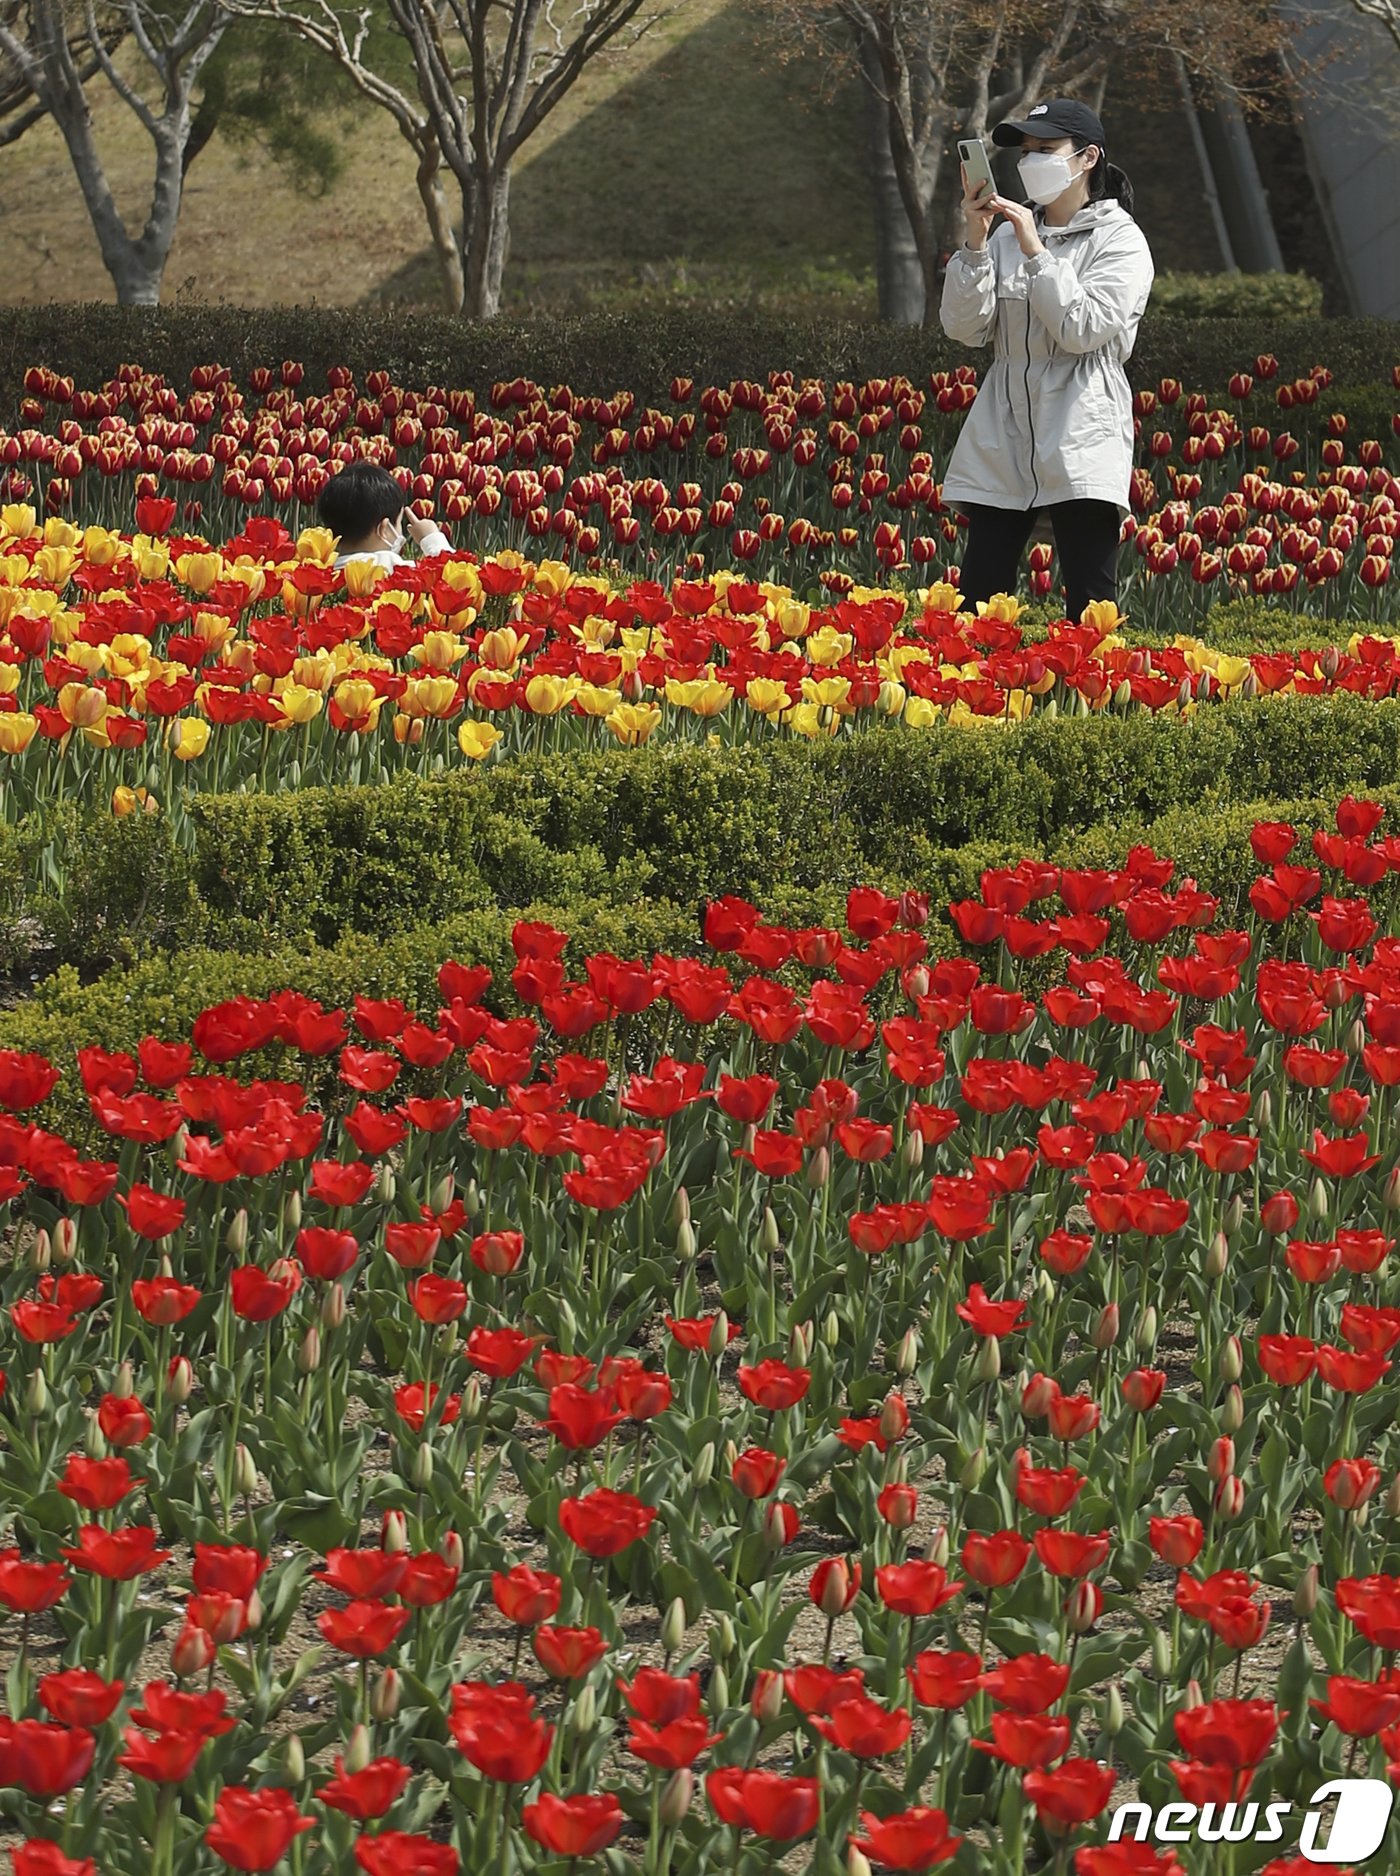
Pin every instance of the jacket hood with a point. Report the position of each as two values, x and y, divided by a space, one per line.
1107 208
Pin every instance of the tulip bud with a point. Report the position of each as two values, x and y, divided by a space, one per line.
836 1594
1279 1214
471 1400
768 1238
36 1399
894 1416
1231 1359
1232 1410
294 1759
1355 1040
906 1355
1036 1396
471 1198
971 1470
1044 1288
180 1385
766 1701
680 1208
1083 1607
1114 1717
442 1193
831 1330
393 1534
818 1168
65 1240
1229 1498
857 1863
452 1550
191 1652
1217 1257
124 1382
1305 1595
333 1307
1263 1110
687 1247
1392 1498
1221 1462
253 1612
703 1469
584 1716
717 1694
245 1473
1319 1200
309 1354
387 1185
719 1335
800 1343
676 1797
1194 1696
899 1506
41 1251
421 1471
912 1152
236 1237
937 1550
1390 1195
673 1625
1161 1654
359 1749
1146 1332
386 1694
291 1213
730 1455
180 1142
1361 1516
988 1364
774 1533
1106 1328
1234 1216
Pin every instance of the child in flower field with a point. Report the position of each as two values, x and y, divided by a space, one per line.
364 508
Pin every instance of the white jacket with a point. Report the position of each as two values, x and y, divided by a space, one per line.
1053 418
434 542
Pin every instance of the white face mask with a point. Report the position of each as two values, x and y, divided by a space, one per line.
396 544
1045 175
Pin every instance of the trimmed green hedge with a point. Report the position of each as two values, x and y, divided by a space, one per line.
162 994
602 352
673 822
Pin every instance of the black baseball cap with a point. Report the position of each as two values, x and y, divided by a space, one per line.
1057 117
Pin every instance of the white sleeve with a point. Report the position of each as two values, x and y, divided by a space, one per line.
1083 314
433 542
969 309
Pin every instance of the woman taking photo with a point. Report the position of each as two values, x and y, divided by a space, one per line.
1058 290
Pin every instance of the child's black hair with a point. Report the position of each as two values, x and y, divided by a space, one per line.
357 498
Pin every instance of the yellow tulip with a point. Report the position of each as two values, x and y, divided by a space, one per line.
82 705
14 569
90 657
313 670
702 696
595 630
942 596
463 577
597 700
1019 704
407 729
828 693
439 651
809 719
187 737
128 800
634 723
767 696
250 577
828 646
1005 608
1102 614
317 545
429 697
920 712
17 520
362 576
501 648
9 679
477 739
241 655
61 533
553 577
299 703
792 617
17 729
54 565
356 697
101 547
546 694
212 628
197 571
892 699
127 654
1231 671
151 559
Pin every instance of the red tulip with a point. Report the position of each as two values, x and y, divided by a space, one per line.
368 1793
253 1830
916 1839
400 1853
573 1827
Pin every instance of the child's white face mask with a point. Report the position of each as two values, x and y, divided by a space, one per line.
396 545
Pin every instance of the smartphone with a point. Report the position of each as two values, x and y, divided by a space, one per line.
974 158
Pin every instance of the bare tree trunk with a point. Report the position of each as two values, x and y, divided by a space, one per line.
486 246
446 245
898 276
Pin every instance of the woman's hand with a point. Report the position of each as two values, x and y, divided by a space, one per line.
979 211
1022 218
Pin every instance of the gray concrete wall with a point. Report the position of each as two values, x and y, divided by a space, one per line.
1355 163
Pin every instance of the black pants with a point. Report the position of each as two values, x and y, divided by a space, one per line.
1086 540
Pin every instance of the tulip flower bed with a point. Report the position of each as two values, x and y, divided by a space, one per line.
126 660
802 1405
766 474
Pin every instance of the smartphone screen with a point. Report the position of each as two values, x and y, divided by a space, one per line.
974 157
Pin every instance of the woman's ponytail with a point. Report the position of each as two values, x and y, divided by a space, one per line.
1107 180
